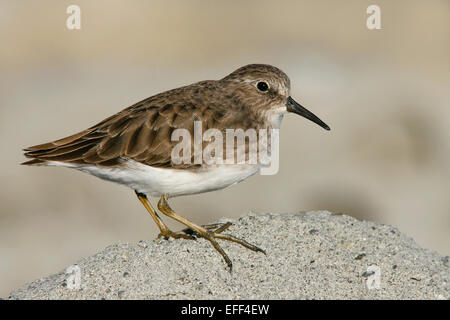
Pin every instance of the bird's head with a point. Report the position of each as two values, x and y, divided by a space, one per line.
268 89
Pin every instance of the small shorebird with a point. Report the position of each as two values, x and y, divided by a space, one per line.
134 147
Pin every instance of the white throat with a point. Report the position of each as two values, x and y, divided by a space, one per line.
275 116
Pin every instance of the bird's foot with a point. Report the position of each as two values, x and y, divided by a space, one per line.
205 232
176 235
213 227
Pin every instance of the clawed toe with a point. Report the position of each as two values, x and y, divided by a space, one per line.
240 241
176 235
210 232
213 227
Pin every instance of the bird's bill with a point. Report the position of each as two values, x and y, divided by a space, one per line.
295 107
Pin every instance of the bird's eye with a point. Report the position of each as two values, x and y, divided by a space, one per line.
262 86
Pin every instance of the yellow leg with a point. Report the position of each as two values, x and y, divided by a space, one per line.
213 227
164 207
163 229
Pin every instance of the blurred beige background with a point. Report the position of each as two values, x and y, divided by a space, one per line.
385 93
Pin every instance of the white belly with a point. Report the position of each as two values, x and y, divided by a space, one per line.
175 182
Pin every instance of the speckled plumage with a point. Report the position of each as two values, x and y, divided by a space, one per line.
142 132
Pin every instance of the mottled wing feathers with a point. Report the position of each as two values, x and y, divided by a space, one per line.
141 132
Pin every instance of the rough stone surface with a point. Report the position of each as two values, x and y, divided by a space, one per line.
314 255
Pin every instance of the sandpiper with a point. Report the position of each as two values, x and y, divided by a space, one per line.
134 146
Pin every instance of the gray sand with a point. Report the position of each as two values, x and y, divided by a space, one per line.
314 255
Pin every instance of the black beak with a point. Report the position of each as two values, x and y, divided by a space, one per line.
294 107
